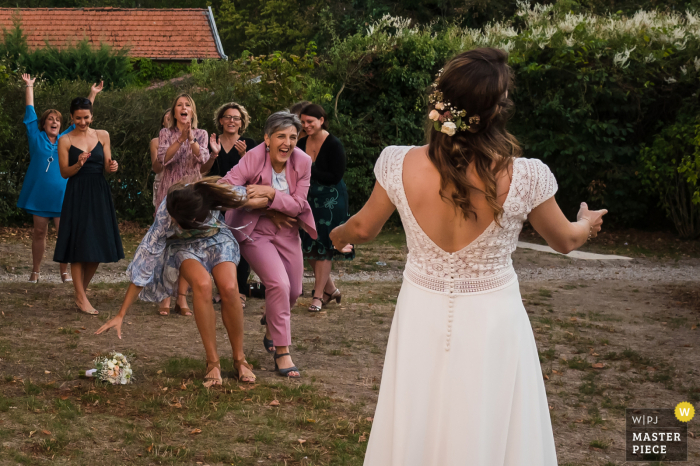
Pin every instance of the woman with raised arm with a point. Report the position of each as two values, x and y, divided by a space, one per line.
277 174
225 151
328 198
188 240
43 187
182 151
462 382
89 231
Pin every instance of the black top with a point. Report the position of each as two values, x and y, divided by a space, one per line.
329 167
227 160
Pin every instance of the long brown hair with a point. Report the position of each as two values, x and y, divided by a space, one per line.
477 82
189 204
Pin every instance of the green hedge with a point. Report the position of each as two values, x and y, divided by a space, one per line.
592 91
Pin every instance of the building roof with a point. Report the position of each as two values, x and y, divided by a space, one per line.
158 34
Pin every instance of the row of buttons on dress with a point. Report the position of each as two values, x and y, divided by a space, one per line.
450 307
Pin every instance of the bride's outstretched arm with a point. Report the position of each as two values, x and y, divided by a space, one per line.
562 235
365 225
116 322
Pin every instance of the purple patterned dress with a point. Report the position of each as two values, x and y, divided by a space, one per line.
184 164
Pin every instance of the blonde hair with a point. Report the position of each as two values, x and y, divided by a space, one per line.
173 122
219 114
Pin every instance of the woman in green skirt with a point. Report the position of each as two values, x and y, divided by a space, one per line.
328 197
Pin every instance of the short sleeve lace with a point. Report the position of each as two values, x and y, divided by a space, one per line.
486 262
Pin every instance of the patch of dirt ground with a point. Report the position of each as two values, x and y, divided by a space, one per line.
605 345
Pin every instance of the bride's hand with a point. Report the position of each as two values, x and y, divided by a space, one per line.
114 322
338 242
594 217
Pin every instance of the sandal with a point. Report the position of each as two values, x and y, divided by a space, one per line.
331 296
94 312
313 307
237 365
64 279
36 280
267 343
285 372
209 379
183 311
243 300
164 311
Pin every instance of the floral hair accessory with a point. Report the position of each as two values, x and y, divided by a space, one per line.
446 117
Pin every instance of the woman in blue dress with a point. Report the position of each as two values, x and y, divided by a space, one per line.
43 186
188 240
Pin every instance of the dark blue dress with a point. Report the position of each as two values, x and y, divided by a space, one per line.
89 230
43 186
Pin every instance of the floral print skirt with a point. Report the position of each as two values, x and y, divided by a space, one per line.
329 205
165 268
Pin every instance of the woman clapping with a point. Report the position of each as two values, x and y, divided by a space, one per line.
89 231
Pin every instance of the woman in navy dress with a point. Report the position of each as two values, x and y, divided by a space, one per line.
89 231
43 186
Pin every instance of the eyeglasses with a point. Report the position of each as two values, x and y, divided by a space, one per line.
231 118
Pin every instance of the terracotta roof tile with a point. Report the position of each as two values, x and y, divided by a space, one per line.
175 34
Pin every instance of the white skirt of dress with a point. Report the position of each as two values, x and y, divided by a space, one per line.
465 389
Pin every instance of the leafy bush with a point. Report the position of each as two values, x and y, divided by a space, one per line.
669 169
77 62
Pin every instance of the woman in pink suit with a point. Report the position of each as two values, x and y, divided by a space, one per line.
278 175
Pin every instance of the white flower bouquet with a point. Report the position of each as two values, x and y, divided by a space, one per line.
114 369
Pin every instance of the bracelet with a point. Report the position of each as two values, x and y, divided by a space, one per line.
30 86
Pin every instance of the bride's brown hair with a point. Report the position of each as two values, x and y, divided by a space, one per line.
477 82
189 204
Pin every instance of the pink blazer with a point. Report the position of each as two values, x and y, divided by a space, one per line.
256 168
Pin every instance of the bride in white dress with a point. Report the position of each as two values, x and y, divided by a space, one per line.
462 383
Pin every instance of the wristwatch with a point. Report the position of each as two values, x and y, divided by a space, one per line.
194 141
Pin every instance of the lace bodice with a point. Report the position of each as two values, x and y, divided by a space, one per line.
486 262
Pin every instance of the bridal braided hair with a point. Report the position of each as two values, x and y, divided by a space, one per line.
477 82
189 204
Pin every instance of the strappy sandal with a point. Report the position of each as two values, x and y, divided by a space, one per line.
164 311
313 307
183 311
64 279
285 372
36 280
237 365
267 343
331 296
209 379
243 300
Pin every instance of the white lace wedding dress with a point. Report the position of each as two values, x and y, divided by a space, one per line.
462 383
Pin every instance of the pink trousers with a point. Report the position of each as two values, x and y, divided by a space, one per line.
275 255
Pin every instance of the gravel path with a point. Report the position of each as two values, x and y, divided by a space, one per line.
647 271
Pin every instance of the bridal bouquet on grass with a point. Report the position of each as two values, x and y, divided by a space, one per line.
114 369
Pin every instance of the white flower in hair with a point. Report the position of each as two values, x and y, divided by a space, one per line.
434 115
440 106
448 128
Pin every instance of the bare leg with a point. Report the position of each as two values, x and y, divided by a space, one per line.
198 278
89 269
232 314
62 268
41 226
182 289
322 272
81 300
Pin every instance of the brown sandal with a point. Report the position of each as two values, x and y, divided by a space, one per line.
183 311
237 364
209 379
164 311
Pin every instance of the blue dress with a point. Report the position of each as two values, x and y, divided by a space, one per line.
156 264
42 189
